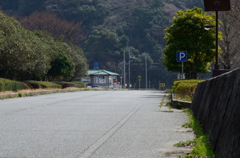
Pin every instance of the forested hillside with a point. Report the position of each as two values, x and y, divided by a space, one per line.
108 27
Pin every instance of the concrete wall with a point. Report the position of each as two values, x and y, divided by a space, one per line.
216 104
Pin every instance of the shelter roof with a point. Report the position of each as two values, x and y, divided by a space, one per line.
102 72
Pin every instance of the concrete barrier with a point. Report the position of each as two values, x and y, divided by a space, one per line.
182 104
216 104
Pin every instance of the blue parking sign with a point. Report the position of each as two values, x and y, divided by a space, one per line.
182 56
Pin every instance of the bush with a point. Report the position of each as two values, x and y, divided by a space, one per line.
33 84
185 88
10 85
66 84
79 84
168 91
44 84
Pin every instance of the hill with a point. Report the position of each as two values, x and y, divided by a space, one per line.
111 26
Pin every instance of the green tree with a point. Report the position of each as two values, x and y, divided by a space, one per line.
62 66
187 33
104 46
26 55
77 56
22 54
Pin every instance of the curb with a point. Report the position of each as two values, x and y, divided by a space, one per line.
183 104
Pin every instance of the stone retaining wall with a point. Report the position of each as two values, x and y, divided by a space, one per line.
216 104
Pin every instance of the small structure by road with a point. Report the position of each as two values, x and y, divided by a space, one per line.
101 78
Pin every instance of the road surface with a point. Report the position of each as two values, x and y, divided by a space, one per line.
90 124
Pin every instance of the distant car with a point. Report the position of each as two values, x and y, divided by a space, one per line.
94 86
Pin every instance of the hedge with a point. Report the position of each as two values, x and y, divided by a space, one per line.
10 85
79 84
66 84
43 84
185 87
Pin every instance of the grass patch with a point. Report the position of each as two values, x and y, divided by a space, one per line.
201 144
167 111
183 98
188 144
20 94
161 104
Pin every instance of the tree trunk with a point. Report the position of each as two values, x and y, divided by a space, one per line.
194 72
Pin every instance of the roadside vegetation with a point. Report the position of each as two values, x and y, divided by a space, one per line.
36 55
201 144
11 85
184 90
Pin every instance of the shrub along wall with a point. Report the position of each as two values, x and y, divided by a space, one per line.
185 87
216 106
10 85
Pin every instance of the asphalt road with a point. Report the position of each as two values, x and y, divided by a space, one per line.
94 124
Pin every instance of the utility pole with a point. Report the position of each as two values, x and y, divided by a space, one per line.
129 69
159 85
124 76
146 68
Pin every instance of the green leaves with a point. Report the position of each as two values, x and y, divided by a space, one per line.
61 66
28 55
104 46
188 34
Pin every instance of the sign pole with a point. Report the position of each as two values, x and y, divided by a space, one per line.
182 70
182 57
124 76
159 85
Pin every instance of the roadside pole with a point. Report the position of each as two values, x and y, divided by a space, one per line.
159 85
182 70
124 76
139 79
139 85
129 69
182 57
146 68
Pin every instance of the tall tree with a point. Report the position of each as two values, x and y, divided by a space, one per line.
104 46
57 27
235 9
230 44
62 66
188 34
23 55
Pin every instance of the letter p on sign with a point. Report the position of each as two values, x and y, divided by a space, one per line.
182 56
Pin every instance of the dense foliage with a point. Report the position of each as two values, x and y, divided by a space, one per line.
28 55
140 23
9 85
43 84
188 34
185 89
